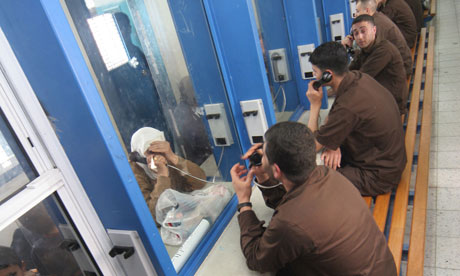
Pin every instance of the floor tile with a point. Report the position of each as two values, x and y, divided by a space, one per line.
433 178
430 251
432 199
429 271
431 221
445 159
448 224
448 129
447 272
448 252
448 199
445 144
449 106
447 178
448 116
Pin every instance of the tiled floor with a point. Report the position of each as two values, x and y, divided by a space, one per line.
442 247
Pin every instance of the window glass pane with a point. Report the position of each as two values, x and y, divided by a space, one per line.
15 168
148 79
43 241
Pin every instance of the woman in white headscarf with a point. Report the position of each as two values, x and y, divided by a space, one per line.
155 176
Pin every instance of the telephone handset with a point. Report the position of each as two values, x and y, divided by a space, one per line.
325 78
275 58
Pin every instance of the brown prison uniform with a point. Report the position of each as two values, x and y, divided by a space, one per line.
401 14
382 61
322 227
365 123
417 10
386 29
152 188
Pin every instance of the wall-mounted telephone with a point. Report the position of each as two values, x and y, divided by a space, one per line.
337 26
218 123
254 119
304 56
279 64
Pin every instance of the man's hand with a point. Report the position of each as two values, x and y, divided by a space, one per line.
256 147
260 174
331 158
160 163
163 147
348 41
314 96
241 183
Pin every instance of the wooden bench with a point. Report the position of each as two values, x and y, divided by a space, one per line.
390 210
431 11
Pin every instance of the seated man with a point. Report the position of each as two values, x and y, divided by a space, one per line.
386 30
363 135
154 174
321 225
417 9
401 14
378 58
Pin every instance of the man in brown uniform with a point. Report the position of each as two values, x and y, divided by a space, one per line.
321 225
417 10
401 14
379 58
387 30
363 136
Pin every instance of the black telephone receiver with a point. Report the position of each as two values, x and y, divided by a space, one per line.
325 78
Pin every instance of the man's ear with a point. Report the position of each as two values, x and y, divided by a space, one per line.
277 173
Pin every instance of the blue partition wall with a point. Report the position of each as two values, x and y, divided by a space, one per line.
44 44
304 28
273 30
333 7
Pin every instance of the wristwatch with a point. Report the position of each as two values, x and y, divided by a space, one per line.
243 204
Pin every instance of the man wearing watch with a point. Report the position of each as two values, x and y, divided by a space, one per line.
320 226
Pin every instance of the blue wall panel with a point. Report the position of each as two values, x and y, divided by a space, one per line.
303 28
234 32
333 7
275 35
51 59
199 53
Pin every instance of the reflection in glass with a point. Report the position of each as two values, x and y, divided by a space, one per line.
15 168
45 243
137 59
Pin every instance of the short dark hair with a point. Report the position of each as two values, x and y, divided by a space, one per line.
8 258
291 146
371 4
330 55
364 18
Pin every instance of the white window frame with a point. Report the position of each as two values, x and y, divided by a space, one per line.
29 122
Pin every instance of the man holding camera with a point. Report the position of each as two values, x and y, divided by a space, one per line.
321 225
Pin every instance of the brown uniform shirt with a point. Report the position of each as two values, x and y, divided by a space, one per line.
365 123
382 61
401 14
417 10
386 29
322 227
152 189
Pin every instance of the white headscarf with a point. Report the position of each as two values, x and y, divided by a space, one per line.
140 142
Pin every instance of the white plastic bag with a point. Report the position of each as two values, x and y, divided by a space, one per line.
180 213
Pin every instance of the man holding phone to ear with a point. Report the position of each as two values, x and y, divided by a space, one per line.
363 137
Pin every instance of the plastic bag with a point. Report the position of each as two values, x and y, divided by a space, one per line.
179 213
